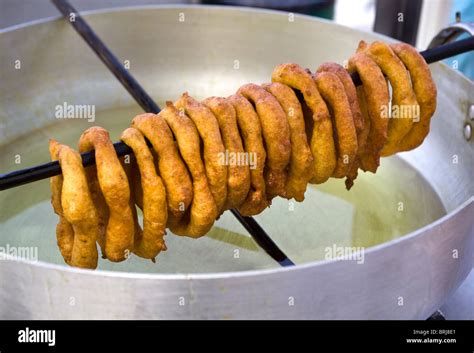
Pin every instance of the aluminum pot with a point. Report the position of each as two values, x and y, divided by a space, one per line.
413 220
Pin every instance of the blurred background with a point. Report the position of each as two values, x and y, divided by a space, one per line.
412 21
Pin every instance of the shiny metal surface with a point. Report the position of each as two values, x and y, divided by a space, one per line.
405 278
451 33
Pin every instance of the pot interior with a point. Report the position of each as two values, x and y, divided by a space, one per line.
213 52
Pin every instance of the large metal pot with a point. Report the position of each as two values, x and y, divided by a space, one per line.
415 217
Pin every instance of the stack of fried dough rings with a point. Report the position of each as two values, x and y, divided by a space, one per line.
302 128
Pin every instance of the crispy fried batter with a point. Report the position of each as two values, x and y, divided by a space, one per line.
251 132
332 91
203 211
79 209
300 170
238 177
155 212
64 231
114 186
276 135
351 94
359 121
375 97
402 91
208 128
178 185
425 92
322 142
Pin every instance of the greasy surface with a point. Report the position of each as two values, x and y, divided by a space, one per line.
301 159
208 129
119 234
373 94
402 92
333 92
321 135
238 174
251 132
203 211
155 212
425 92
276 135
179 189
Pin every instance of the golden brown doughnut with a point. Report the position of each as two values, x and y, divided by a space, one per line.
375 97
351 94
276 135
79 209
203 211
359 120
155 210
300 170
251 132
127 167
64 231
238 177
322 142
402 92
425 92
173 171
332 91
114 186
208 128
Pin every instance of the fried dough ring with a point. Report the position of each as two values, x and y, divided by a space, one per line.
359 120
99 202
425 92
276 135
375 96
134 180
402 92
238 175
115 188
332 91
64 231
133 200
322 143
203 211
300 170
251 132
173 171
351 94
155 210
208 128
79 209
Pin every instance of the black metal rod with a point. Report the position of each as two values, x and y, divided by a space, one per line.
107 57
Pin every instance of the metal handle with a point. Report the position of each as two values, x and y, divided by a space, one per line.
452 32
